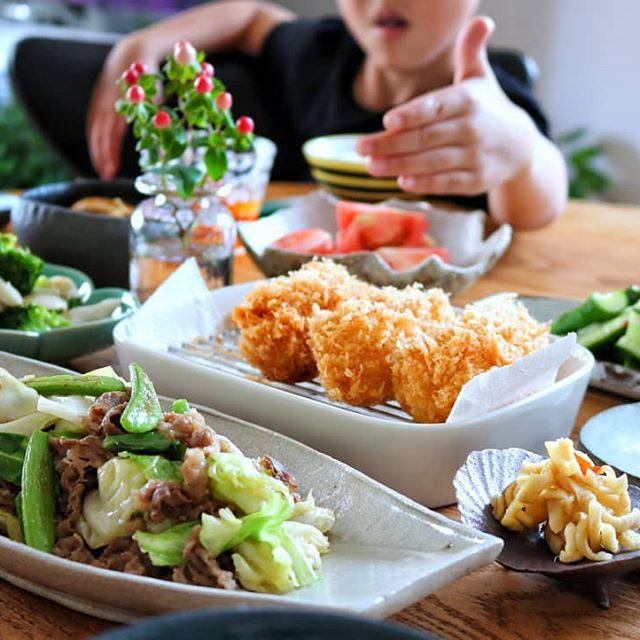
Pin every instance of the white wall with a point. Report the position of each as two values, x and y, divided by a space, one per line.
589 53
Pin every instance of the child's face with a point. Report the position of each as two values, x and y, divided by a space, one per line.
406 34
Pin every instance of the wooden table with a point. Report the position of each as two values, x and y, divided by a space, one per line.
593 246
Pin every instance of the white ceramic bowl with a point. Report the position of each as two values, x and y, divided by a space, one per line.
418 460
462 233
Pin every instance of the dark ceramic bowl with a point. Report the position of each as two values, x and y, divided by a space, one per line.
264 624
96 244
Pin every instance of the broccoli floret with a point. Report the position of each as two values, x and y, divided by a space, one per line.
17 265
7 241
31 317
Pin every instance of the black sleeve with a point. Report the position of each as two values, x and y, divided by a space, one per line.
520 94
296 62
293 49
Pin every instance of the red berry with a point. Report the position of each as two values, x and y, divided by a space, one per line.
203 84
161 120
139 67
224 100
135 93
130 76
184 53
207 69
245 124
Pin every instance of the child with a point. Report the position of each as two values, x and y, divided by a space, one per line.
417 69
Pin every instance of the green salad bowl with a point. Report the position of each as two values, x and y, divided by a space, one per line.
66 343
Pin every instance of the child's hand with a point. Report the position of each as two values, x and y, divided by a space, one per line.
467 138
105 128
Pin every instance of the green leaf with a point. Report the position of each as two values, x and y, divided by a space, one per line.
577 190
581 156
153 467
572 136
148 83
174 142
122 106
215 159
595 180
165 549
12 449
186 178
143 112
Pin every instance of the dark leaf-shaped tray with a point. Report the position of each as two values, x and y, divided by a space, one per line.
487 473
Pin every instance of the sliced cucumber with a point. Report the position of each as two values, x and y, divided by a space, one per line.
633 293
629 343
598 307
598 334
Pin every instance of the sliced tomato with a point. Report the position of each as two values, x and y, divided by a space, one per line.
347 210
405 258
366 227
306 241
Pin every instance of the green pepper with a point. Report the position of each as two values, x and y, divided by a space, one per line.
37 501
68 384
180 406
12 449
143 412
142 443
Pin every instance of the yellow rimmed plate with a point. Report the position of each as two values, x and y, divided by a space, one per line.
354 181
335 152
368 195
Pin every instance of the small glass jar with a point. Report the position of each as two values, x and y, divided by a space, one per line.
167 230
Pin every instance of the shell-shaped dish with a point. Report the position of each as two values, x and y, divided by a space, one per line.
473 253
485 474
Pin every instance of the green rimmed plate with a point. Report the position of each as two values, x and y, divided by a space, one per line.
65 343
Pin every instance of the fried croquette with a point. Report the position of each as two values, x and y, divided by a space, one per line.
429 371
273 318
370 344
520 333
353 345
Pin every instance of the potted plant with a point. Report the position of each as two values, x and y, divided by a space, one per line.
189 145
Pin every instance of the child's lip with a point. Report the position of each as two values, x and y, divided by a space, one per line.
390 24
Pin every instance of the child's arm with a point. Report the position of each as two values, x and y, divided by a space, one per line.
240 25
468 139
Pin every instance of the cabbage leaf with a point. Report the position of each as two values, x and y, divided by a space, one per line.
166 549
234 479
107 512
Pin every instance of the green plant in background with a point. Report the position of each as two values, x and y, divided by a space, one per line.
586 177
25 160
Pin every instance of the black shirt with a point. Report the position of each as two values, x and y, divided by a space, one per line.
309 67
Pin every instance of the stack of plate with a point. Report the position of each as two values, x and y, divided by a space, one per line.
337 166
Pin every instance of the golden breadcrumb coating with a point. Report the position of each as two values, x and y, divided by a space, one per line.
353 345
521 334
428 371
430 305
273 318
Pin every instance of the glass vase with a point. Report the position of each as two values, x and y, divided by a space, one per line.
166 230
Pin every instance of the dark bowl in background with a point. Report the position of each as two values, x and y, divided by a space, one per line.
264 624
94 243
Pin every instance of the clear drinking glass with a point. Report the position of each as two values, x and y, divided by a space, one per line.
247 190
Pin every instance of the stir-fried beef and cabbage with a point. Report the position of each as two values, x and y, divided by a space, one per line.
93 470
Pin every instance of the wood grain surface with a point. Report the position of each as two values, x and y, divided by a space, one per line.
593 246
